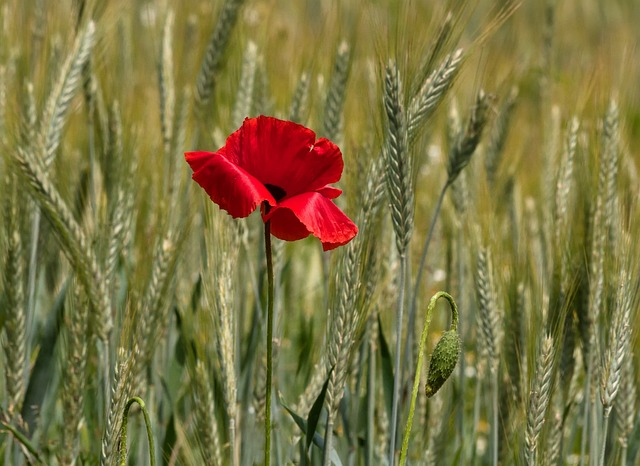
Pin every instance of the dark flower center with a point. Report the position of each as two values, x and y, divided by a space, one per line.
276 191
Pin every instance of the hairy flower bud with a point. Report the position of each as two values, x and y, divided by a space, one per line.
443 361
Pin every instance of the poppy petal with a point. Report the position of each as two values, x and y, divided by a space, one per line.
311 213
227 184
330 192
285 154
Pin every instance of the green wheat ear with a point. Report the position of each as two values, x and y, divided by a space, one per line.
443 360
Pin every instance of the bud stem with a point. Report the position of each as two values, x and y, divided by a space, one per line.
416 380
123 431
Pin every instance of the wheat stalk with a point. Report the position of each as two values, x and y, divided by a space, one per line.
335 99
244 94
611 157
398 165
70 236
625 406
467 141
490 316
260 388
619 343
300 102
215 50
56 109
119 194
73 386
563 184
3 102
596 301
114 162
205 417
263 100
539 399
460 187
167 83
120 391
431 92
514 342
154 306
498 137
118 224
178 200
554 436
342 331
442 37
551 148
487 303
436 421
222 257
29 126
14 343
342 328
400 192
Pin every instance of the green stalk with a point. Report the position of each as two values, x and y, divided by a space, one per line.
425 249
605 429
123 431
267 415
472 450
92 148
416 379
585 414
31 280
22 439
494 411
461 365
328 440
371 380
398 361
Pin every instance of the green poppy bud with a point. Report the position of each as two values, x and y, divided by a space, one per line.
443 361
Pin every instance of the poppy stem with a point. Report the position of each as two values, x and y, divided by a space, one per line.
267 415
421 349
123 431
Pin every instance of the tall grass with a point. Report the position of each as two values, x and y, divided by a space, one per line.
484 157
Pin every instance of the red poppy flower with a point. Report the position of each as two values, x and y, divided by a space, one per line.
281 164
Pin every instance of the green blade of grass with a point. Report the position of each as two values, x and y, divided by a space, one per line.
317 438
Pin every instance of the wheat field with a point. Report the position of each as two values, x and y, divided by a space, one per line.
490 164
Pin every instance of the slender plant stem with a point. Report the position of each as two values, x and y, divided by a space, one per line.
92 157
605 428
371 400
595 436
494 412
416 378
423 260
20 437
31 283
232 441
585 420
123 431
267 415
398 368
477 401
461 364
328 440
